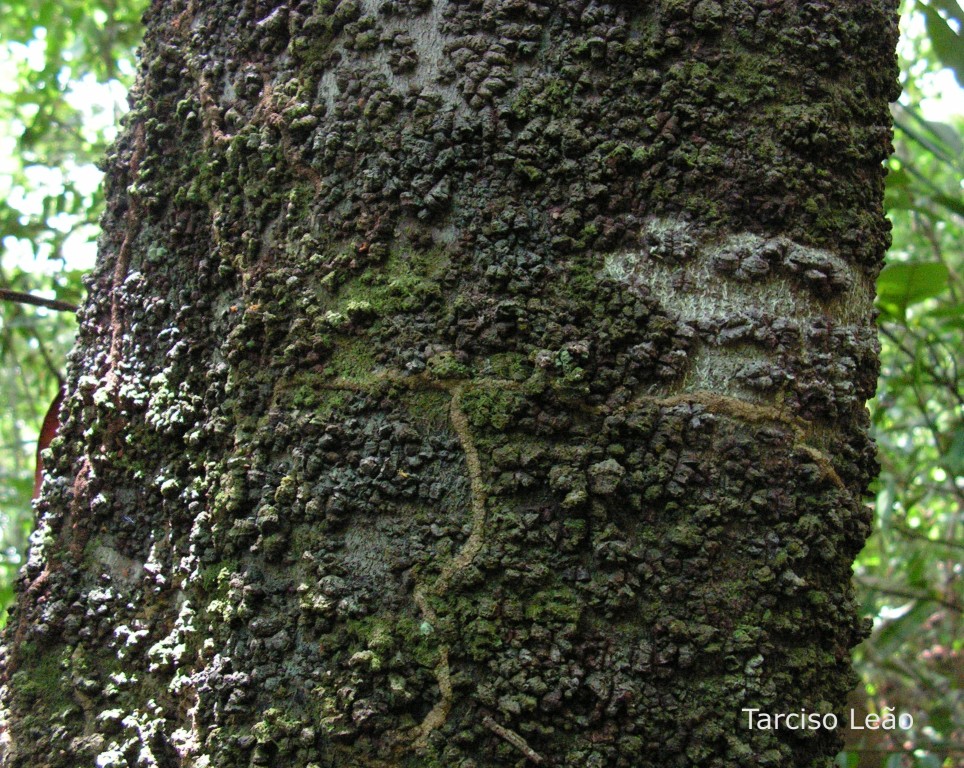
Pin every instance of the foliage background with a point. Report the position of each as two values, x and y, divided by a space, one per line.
65 68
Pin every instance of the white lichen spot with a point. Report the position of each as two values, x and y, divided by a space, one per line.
167 653
720 287
112 757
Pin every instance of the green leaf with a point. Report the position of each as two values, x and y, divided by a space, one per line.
904 628
899 190
946 42
941 719
949 315
847 760
901 285
915 570
897 178
951 203
954 458
951 8
947 134
941 140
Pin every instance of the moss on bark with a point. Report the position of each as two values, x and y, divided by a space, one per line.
471 384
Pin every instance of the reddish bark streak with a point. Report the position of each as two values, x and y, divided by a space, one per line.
48 431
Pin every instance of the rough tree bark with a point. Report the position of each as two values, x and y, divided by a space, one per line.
468 383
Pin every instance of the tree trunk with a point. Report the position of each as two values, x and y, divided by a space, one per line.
468 383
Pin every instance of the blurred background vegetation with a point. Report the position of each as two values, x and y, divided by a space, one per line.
65 68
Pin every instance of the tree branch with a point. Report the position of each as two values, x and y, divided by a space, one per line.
909 593
38 301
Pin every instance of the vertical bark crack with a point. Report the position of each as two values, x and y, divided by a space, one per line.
122 265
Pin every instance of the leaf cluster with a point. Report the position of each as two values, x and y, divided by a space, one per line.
65 68
909 575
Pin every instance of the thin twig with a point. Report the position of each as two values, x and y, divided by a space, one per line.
38 301
909 534
910 594
513 738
